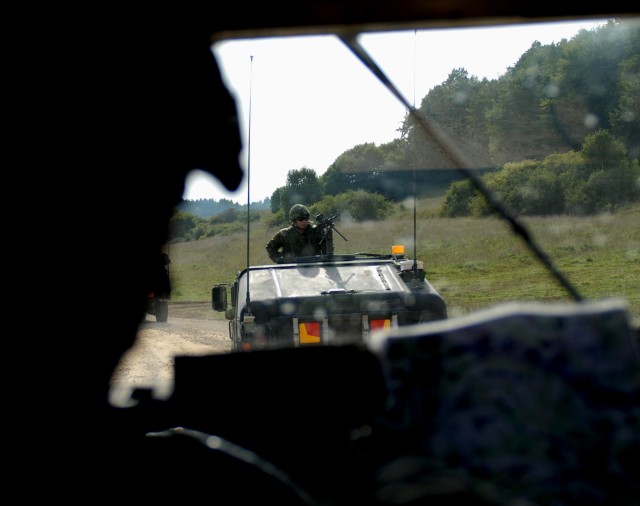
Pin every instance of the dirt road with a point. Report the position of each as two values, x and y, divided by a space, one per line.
190 330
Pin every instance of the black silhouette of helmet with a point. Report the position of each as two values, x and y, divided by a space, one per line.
298 211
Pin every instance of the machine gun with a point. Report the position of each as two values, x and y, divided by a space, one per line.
324 225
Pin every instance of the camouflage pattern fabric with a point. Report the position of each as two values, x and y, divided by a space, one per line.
288 244
518 405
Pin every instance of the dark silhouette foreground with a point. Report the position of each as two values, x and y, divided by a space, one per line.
134 102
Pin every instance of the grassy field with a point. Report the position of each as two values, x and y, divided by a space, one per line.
474 263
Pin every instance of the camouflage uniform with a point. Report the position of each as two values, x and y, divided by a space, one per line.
539 406
289 243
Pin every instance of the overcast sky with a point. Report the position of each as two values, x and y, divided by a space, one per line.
311 99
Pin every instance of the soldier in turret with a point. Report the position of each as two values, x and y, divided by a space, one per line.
301 238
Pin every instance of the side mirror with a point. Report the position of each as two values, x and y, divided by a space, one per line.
219 298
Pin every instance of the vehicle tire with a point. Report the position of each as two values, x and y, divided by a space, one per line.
162 311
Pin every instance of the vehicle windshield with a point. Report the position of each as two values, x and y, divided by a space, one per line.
441 228
542 116
504 158
311 280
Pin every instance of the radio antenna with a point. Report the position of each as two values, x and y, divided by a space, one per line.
415 185
247 306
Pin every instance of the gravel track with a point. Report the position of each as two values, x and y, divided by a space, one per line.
192 329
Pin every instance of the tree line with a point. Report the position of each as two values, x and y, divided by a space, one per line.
557 133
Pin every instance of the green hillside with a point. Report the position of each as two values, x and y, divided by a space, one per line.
473 262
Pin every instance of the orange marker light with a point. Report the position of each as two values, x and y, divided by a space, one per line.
380 324
309 332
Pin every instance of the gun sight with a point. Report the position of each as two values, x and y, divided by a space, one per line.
321 220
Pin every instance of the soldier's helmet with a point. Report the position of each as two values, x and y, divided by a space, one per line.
298 211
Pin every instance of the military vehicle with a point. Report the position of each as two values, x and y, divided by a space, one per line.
326 299
159 292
